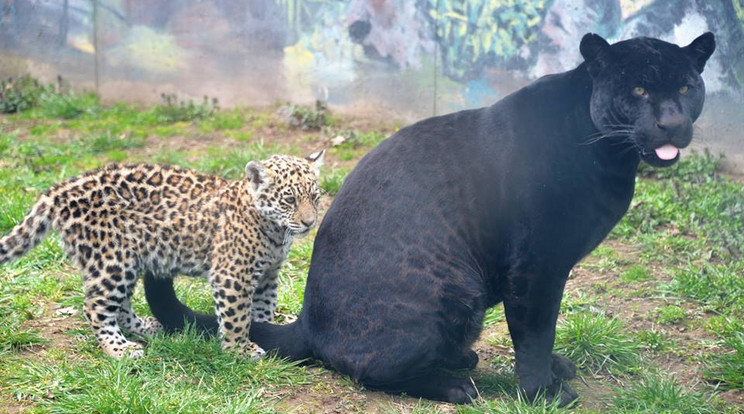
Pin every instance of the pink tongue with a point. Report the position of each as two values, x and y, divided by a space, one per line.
667 152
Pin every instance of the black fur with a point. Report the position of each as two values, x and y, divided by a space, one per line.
457 213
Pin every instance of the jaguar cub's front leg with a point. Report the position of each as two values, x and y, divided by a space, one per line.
264 297
233 294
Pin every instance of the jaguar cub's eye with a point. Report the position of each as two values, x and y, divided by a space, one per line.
290 199
638 91
683 90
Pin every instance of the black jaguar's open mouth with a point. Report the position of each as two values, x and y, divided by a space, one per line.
662 156
667 152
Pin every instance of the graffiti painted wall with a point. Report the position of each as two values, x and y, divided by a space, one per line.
414 57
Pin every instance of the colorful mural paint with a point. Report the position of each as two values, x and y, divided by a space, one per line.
419 55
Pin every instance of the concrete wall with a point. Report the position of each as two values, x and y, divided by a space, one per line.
414 58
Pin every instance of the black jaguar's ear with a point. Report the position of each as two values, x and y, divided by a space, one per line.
596 53
700 50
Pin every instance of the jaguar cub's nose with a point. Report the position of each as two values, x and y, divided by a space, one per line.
308 222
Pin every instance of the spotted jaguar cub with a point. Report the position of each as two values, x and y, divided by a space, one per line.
121 221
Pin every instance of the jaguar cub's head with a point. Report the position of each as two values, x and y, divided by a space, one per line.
647 91
285 190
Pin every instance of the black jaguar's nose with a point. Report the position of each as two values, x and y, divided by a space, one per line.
671 121
671 125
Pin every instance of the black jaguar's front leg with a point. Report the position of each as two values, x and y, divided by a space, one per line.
531 307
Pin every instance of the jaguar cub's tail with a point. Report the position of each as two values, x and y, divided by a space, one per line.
288 341
30 232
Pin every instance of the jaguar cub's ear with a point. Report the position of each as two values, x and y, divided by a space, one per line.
316 158
700 50
257 175
596 53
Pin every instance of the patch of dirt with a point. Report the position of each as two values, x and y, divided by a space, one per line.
333 393
638 312
733 397
54 329
11 405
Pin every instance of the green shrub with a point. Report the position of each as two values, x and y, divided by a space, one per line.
306 118
20 94
172 110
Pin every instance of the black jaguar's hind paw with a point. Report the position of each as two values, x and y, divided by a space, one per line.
563 368
437 387
459 391
468 360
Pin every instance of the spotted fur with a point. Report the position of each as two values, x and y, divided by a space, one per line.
121 221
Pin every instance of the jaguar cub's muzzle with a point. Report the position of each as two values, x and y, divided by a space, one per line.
304 219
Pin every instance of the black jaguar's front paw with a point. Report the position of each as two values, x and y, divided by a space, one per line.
561 391
563 368
557 391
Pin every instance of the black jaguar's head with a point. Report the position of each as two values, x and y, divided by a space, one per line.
647 91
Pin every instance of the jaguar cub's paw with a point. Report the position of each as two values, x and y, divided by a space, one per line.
151 326
127 349
257 353
249 350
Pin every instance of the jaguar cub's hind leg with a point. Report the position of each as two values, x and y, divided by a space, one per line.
106 293
129 321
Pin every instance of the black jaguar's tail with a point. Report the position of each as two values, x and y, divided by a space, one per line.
170 312
288 341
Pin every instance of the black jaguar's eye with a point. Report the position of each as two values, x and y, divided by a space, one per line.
683 90
638 91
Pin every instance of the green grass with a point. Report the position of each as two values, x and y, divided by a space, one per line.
671 314
13 337
717 286
331 181
172 109
231 164
657 393
725 366
224 382
635 273
516 405
679 297
68 106
654 340
604 259
597 343
305 117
